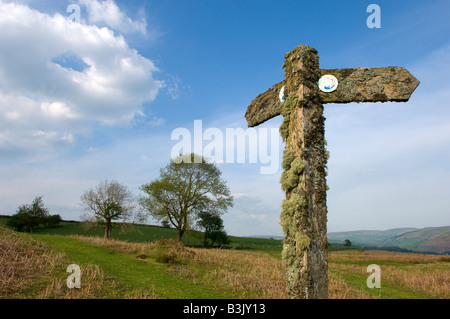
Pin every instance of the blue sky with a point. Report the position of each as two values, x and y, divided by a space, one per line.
99 98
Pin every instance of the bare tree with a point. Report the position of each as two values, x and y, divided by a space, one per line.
108 204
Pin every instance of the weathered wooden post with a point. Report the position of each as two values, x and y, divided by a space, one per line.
299 100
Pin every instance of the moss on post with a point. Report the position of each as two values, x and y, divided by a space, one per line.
286 109
288 157
291 178
292 208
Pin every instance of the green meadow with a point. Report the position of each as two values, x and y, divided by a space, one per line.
149 233
143 262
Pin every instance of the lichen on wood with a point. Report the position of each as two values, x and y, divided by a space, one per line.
286 109
291 178
371 85
288 157
302 241
292 208
355 85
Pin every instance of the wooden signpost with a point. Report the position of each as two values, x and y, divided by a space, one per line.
300 101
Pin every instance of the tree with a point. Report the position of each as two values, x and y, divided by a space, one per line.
108 203
347 243
213 229
52 220
165 223
22 221
28 217
187 186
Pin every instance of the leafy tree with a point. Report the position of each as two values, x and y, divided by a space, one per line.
22 221
165 223
52 220
187 186
28 217
220 238
347 243
213 229
107 205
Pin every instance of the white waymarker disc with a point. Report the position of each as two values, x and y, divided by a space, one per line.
281 96
328 83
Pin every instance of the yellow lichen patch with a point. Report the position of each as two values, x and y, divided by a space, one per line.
286 109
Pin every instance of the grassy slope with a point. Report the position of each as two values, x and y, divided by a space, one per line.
435 239
421 240
357 279
148 233
132 272
398 270
403 275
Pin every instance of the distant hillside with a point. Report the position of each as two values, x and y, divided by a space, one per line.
425 240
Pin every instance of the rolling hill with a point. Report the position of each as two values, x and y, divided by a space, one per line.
434 240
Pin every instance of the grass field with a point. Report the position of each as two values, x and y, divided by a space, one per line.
149 233
34 266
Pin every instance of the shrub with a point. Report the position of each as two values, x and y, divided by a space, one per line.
28 217
169 257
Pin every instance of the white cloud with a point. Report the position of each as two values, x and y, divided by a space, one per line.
253 213
107 13
239 195
57 110
156 121
38 94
